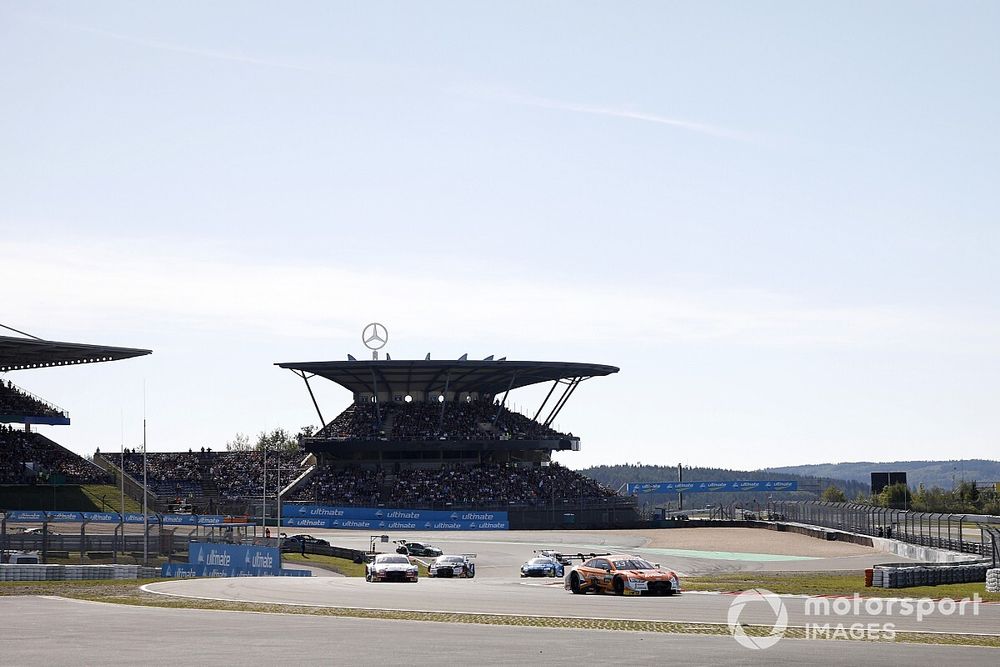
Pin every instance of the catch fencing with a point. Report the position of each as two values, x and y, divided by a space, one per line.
965 533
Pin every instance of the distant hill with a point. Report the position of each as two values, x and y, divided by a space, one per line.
615 476
944 474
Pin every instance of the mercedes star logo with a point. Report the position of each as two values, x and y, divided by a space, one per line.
375 336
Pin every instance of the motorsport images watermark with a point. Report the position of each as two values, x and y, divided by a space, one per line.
861 618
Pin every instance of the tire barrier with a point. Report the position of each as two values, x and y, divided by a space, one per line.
993 580
906 576
25 572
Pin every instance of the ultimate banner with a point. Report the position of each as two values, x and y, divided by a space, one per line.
709 487
382 518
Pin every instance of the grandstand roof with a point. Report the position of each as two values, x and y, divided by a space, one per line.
487 377
19 353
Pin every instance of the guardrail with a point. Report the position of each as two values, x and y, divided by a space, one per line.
929 529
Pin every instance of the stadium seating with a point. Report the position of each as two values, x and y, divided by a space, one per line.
30 457
14 401
487 484
234 475
461 420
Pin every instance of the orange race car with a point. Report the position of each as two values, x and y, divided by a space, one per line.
622 574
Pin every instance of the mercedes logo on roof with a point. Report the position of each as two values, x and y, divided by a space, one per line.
375 336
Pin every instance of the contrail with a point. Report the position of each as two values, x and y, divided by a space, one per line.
545 103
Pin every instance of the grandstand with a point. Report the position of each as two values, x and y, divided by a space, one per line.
440 434
30 458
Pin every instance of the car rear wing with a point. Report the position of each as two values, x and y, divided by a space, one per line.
583 556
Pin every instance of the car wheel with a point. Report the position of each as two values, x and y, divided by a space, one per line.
619 586
574 584
471 574
368 577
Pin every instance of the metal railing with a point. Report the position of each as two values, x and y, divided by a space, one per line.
965 533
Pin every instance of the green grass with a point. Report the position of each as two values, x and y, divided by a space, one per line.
108 498
839 583
66 498
128 592
342 566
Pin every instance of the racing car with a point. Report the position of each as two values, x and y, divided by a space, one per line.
418 549
542 566
452 566
622 574
565 560
391 567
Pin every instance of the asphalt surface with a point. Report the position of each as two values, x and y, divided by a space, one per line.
498 587
535 598
67 632
501 553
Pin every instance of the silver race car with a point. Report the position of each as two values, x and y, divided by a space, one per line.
452 566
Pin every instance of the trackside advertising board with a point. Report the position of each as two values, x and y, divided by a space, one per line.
710 487
206 559
259 560
191 570
383 518
38 516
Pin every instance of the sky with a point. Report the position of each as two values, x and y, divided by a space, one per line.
779 219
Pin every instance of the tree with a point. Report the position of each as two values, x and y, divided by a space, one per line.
896 496
833 495
239 443
277 440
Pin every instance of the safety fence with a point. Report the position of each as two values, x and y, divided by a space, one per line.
965 533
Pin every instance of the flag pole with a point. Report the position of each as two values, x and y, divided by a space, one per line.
145 490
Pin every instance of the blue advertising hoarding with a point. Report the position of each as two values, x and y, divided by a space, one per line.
40 516
263 560
26 516
193 570
711 487
382 518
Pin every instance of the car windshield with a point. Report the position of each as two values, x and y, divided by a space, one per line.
540 561
392 559
633 564
450 559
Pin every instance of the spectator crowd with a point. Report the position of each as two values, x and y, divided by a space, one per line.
486 484
235 475
452 420
28 457
15 401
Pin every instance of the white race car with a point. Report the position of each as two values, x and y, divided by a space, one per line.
391 567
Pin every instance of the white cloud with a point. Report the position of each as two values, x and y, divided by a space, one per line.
89 284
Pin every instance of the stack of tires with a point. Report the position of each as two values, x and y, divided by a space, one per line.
993 580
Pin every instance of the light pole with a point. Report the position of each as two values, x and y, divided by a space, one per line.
277 500
263 499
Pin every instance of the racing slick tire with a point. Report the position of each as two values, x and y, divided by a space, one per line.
574 584
368 577
618 585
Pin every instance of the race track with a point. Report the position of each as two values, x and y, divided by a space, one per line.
498 588
68 632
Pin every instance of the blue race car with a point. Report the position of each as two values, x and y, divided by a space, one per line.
542 566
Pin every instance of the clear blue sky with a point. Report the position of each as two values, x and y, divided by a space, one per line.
780 219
